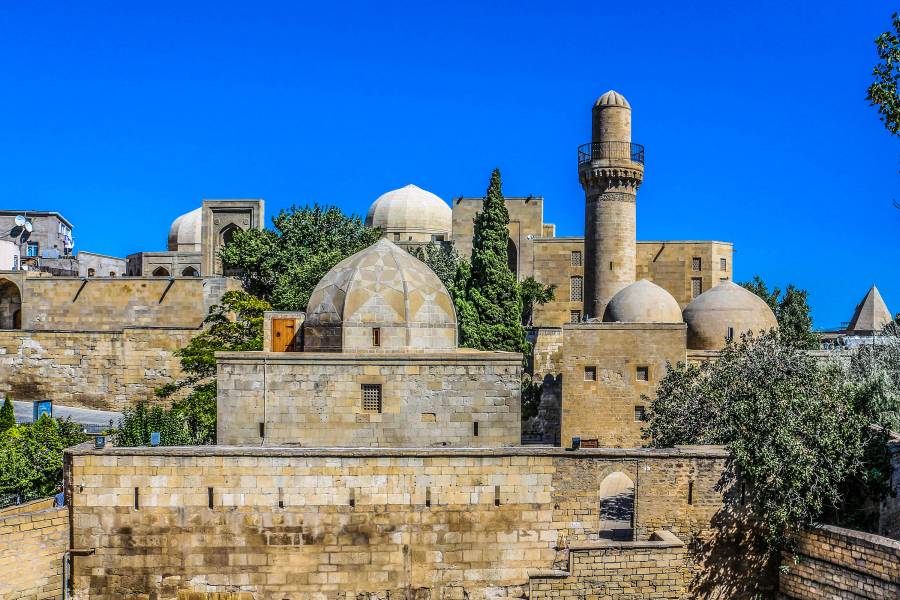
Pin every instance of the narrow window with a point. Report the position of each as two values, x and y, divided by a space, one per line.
280 497
723 264
428 496
574 316
209 497
376 337
352 497
642 374
262 430
610 266
371 397
640 413
696 264
475 429
496 495
576 258
696 287
32 249
590 373
137 503
437 237
690 492
729 335
576 287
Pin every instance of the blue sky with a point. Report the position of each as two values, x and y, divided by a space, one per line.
754 118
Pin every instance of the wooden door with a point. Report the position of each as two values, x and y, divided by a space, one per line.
284 333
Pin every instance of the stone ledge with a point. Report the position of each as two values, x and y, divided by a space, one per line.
589 325
460 357
547 574
87 449
659 539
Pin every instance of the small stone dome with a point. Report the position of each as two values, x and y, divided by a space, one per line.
381 288
412 212
612 98
184 234
642 302
727 309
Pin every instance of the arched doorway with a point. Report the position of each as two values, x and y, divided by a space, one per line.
160 272
617 507
190 272
10 305
512 256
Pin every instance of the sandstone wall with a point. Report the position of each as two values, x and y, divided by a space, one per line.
607 369
839 563
463 398
33 539
294 523
106 370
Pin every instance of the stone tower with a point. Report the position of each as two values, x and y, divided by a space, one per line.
610 169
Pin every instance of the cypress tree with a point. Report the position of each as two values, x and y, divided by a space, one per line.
491 308
7 416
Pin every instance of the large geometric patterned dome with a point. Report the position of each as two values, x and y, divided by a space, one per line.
411 214
726 309
184 234
386 288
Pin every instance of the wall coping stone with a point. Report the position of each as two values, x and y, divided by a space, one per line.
659 539
591 325
108 331
458 357
548 573
87 449
861 537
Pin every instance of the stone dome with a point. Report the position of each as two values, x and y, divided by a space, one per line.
725 309
612 98
643 302
412 212
381 288
184 234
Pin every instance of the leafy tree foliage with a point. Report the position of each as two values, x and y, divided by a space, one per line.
490 308
883 91
283 266
234 325
31 458
7 416
791 310
533 292
792 425
139 422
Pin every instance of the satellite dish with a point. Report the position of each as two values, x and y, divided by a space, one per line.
28 226
20 220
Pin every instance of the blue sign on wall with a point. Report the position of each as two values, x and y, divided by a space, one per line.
42 407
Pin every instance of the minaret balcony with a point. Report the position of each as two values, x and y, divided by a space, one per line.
612 151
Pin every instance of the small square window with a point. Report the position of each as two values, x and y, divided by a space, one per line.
437 237
723 264
696 287
590 373
371 397
574 316
396 237
642 374
576 258
576 289
640 413
376 336
32 249
696 264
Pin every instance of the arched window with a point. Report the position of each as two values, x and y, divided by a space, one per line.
190 272
617 507
227 233
512 255
160 272
91 272
10 305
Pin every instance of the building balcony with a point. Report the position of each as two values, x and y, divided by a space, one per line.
610 151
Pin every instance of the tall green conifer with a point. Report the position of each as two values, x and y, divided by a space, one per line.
491 308
7 416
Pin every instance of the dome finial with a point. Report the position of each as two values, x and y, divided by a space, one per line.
612 98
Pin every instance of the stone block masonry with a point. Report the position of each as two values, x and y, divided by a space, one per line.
837 563
327 523
33 540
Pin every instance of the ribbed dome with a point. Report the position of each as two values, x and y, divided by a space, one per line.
612 98
411 210
184 234
643 302
382 287
726 306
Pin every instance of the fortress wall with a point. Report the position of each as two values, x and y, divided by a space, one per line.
112 303
840 563
315 399
106 370
33 538
325 523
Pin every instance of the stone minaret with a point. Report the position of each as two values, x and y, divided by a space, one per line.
610 169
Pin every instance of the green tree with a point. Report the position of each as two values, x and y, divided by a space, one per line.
283 266
233 325
490 308
7 416
883 90
446 263
140 421
790 423
534 292
791 309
